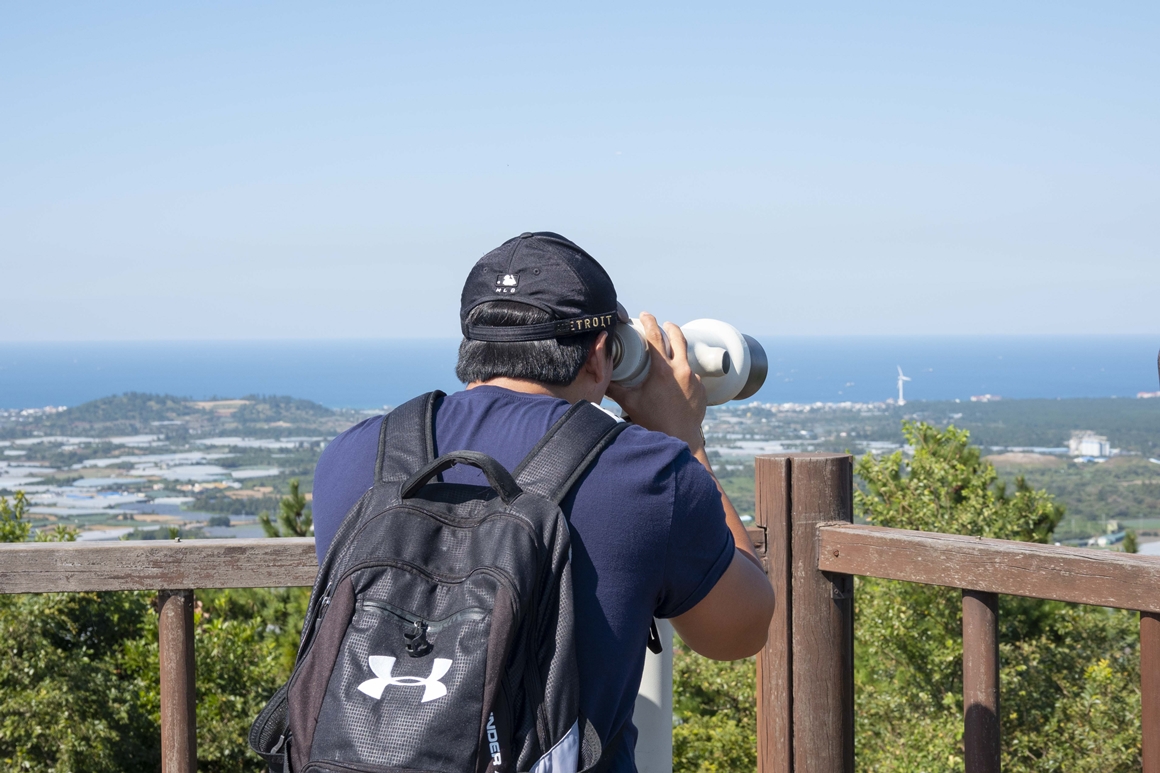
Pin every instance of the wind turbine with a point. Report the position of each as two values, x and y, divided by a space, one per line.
901 378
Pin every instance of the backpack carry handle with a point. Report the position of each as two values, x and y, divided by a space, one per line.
497 476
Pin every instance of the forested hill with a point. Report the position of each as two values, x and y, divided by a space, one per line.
138 413
131 407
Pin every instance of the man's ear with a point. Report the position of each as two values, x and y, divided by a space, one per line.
599 362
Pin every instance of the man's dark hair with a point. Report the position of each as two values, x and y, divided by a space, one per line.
555 361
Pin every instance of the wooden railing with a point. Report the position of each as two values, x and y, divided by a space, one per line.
810 548
175 569
805 704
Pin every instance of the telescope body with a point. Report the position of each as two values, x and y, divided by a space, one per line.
732 365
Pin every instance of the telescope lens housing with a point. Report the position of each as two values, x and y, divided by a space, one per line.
758 369
732 365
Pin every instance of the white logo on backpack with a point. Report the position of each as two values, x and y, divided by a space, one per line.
493 741
383 665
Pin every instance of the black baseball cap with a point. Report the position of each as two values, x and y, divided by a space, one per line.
549 272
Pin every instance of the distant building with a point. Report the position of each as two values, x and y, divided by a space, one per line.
985 398
1113 538
1085 443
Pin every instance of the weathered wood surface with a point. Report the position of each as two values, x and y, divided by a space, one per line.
1078 575
757 537
178 692
775 662
805 676
822 627
39 567
1150 689
981 750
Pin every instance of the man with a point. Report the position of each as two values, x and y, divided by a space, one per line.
653 534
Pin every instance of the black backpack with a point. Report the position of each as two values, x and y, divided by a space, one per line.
439 635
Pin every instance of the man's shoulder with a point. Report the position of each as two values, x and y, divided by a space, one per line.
358 441
635 448
639 445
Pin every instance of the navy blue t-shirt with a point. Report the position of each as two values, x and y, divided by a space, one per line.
648 530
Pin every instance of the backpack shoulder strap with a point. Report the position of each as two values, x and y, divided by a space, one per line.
566 451
407 439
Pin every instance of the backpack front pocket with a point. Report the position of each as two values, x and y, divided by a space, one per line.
408 688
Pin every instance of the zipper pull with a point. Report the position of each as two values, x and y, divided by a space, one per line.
324 603
417 644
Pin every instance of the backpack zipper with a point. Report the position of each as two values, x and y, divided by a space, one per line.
433 626
418 628
344 537
417 643
500 574
324 602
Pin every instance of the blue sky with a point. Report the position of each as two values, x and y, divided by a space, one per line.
281 170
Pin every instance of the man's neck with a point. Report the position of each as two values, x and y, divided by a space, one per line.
573 393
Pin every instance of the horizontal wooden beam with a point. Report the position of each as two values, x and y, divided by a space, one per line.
48 567
1079 575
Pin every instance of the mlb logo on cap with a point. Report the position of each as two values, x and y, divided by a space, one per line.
507 283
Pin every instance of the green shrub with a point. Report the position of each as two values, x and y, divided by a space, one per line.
1069 695
715 713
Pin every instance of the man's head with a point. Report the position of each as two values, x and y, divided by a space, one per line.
535 309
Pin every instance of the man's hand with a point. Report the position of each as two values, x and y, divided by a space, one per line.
733 619
672 399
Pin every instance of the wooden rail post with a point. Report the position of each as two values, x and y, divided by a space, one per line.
981 750
178 698
806 671
775 661
1150 689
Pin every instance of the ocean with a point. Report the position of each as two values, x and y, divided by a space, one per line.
373 373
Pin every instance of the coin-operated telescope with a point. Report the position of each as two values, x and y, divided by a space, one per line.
732 365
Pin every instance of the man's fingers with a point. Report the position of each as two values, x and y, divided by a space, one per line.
677 340
652 332
656 336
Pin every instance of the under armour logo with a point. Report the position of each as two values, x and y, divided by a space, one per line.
382 666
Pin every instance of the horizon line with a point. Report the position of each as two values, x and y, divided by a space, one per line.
456 339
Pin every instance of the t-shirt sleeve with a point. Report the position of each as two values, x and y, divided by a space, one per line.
700 546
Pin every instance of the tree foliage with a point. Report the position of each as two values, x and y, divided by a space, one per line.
1069 691
79 688
714 713
13 527
69 695
68 701
947 487
294 518
240 663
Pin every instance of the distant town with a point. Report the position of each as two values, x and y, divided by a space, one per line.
140 466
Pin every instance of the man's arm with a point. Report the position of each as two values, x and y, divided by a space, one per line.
732 519
732 621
